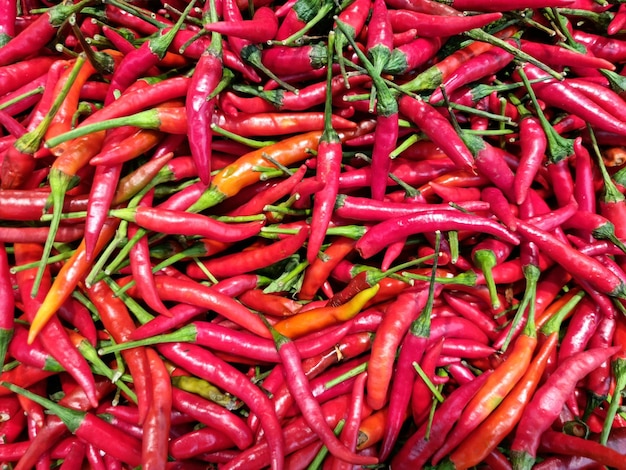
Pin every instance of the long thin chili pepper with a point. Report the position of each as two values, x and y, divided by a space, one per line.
7 312
72 272
547 401
90 428
497 387
141 267
140 60
38 33
393 229
156 427
411 351
393 328
200 105
420 446
311 411
575 262
502 421
204 364
53 335
119 324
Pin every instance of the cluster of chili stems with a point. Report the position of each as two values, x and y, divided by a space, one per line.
312 234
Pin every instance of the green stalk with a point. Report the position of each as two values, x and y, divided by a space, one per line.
186 334
559 148
619 372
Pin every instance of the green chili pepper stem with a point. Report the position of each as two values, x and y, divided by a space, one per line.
70 417
431 386
559 147
480 35
325 9
619 372
318 461
554 323
486 261
186 334
346 375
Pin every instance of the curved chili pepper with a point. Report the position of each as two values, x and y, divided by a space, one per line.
250 260
542 409
499 5
438 129
72 272
183 223
298 385
411 351
135 63
419 447
116 319
39 33
285 60
393 229
329 155
412 55
575 262
214 416
197 294
90 428
498 386
204 364
317 273
316 319
53 335
262 27
502 421
568 99
389 335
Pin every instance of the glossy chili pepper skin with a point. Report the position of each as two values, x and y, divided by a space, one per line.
206 365
547 401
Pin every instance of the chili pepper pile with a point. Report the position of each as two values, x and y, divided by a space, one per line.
312 234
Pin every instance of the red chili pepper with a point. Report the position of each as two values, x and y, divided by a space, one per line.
575 262
204 364
547 401
156 427
502 421
356 412
571 100
39 33
438 129
7 309
393 229
499 5
421 395
250 260
90 428
298 385
262 27
285 60
140 60
556 55
117 321
438 26
420 446
411 351
53 335
389 335
197 294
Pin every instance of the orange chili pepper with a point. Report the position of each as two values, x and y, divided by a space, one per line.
501 422
319 318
